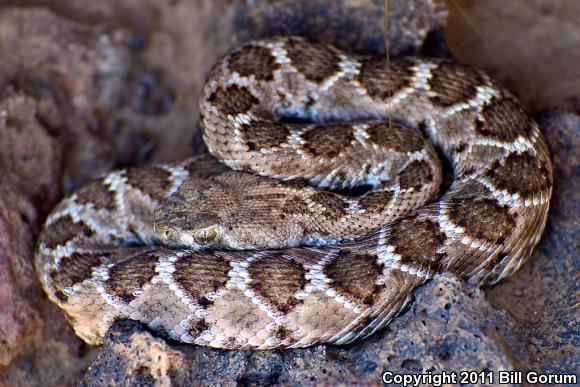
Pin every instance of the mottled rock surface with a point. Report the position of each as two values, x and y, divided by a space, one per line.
90 86
356 25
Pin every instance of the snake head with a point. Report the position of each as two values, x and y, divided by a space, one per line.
233 211
193 231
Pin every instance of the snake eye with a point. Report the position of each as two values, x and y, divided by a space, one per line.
205 235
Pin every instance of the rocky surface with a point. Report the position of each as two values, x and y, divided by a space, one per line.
348 24
89 87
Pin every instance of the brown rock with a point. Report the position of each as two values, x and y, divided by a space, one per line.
72 75
531 46
18 318
30 153
36 342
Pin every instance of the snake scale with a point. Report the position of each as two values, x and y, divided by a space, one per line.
283 252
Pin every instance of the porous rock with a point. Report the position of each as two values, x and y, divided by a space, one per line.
18 319
31 155
113 81
352 25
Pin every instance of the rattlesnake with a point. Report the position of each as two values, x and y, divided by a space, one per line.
306 113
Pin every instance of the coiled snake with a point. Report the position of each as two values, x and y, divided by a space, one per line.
289 114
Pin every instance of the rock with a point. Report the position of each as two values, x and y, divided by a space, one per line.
531 46
31 155
18 319
112 83
353 25
80 78
36 341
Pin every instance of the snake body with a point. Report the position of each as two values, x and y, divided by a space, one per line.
323 267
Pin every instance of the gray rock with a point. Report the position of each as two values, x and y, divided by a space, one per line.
350 24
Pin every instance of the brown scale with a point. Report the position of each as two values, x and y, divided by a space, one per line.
377 200
74 269
254 61
127 277
152 181
453 84
395 137
97 193
484 219
416 175
503 119
355 275
198 327
330 140
204 167
314 61
334 206
381 84
233 100
509 176
198 274
282 333
277 278
422 251
295 205
258 135
63 230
